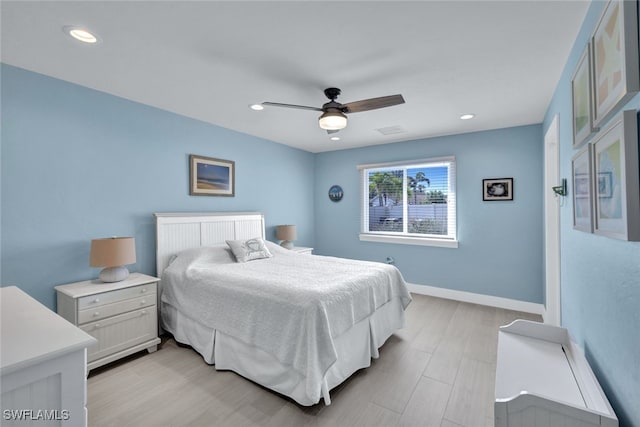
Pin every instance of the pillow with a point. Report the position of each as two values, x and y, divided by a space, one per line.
218 254
247 250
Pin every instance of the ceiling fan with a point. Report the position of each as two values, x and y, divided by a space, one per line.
334 117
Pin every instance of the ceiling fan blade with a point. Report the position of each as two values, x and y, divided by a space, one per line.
330 131
372 103
300 107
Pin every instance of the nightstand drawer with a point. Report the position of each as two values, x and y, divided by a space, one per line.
120 332
107 310
115 296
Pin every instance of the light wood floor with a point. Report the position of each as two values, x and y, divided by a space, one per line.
437 371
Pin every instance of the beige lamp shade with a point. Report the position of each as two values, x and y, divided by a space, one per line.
287 233
113 253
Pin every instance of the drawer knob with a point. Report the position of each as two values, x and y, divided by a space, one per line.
96 300
144 289
96 314
97 325
143 312
143 302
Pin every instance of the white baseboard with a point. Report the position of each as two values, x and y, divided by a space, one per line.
499 302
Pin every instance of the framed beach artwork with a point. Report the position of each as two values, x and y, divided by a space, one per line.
497 189
582 99
582 190
617 188
211 177
615 59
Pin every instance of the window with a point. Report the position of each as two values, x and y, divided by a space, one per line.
409 202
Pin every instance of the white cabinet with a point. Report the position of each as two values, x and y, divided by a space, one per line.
122 316
42 364
544 380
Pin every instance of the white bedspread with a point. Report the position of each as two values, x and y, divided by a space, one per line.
290 305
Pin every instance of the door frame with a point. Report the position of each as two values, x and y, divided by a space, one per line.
552 314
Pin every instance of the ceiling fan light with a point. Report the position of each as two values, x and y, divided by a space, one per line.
333 120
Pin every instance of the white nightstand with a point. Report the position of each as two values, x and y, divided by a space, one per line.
302 250
122 316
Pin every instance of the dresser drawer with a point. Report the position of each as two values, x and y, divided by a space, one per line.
98 300
107 310
120 332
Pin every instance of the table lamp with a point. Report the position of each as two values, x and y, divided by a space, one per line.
113 253
286 233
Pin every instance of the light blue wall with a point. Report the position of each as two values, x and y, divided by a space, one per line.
79 164
500 251
600 287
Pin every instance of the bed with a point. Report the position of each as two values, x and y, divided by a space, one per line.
297 324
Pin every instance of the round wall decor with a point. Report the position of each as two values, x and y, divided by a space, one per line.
335 193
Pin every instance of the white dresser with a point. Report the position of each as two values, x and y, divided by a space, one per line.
544 380
42 364
122 316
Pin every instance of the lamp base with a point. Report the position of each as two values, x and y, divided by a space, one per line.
113 274
287 244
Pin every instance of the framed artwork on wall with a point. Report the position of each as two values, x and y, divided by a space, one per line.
582 190
582 99
615 59
497 189
603 185
617 188
211 177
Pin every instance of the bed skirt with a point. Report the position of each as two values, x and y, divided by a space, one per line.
355 348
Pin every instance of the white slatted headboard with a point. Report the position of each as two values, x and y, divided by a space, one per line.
176 232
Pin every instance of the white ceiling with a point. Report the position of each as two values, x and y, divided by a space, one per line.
210 59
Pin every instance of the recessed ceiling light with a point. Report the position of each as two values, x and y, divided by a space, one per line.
335 138
81 34
467 116
257 107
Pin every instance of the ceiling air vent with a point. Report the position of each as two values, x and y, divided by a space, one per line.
392 130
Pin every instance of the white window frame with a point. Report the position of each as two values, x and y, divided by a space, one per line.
448 241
